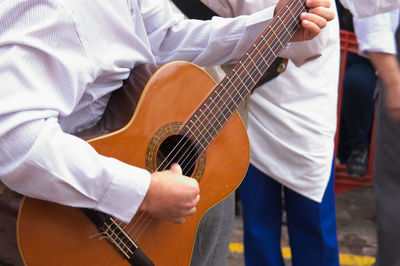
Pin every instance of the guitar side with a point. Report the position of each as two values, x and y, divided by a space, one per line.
52 234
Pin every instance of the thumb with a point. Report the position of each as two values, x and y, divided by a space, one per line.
176 169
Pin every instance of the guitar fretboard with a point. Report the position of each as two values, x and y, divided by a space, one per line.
216 110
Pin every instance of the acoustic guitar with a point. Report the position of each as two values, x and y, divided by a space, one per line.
181 115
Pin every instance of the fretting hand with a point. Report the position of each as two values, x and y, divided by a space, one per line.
312 21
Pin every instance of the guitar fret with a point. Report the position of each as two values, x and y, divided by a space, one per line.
198 141
270 49
199 137
259 52
284 26
248 73
290 11
221 114
218 109
276 36
255 65
210 123
301 2
223 102
244 84
215 105
229 94
201 132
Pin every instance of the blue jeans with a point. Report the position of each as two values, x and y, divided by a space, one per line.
311 225
357 105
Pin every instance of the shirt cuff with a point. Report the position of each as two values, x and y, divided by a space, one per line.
304 51
126 192
374 43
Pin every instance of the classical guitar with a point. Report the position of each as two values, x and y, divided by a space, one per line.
178 115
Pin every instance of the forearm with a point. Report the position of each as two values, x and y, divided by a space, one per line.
49 164
387 68
227 38
388 71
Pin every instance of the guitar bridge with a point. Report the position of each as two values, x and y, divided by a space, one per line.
119 238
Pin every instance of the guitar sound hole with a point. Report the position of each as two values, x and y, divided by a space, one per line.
177 149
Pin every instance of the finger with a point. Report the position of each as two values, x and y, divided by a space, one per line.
190 204
323 12
191 212
197 200
311 29
194 186
176 168
179 220
319 21
317 3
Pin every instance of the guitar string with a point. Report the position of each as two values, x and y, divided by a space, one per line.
295 21
244 83
245 86
224 103
278 18
221 97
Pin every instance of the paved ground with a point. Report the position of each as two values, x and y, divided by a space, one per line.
355 224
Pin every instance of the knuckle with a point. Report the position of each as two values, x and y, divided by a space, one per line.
192 211
180 220
194 183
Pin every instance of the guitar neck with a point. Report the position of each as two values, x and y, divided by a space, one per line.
226 97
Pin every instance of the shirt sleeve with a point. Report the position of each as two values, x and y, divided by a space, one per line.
377 33
365 8
174 38
44 71
298 52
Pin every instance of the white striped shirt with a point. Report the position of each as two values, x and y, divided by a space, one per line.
59 62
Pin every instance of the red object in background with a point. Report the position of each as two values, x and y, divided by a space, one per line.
343 181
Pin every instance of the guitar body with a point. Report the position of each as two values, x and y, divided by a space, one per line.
52 234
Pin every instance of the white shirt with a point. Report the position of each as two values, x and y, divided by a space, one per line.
59 62
377 33
365 8
298 52
292 118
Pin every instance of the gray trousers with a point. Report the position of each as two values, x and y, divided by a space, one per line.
214 234
9 204
387 185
